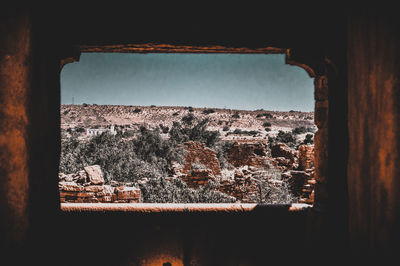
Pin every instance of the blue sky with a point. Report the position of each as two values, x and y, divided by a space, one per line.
235 81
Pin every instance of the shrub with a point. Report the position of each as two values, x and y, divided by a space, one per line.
175 114
84 104
268 115
164 129
285 137
137 110
223 149
266 124
238 131
236 115
128 133
268 129
160 190
225 128
198 132
208 111
301 130
188 119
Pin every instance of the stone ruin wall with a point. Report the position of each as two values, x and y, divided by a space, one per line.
87 186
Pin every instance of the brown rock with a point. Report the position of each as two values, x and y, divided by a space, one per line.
69 186
91 200
282 150
128 193
198 153
247 153
108 190
94 188
64 194
306 157
95 174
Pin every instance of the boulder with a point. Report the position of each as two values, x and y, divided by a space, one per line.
95 174
306 157
128 193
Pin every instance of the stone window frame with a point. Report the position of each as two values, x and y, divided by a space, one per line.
317 67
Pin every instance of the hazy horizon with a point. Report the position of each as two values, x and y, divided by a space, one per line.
224 81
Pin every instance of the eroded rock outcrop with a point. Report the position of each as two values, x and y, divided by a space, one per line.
198 153
87 186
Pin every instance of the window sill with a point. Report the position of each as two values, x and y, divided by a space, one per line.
179 207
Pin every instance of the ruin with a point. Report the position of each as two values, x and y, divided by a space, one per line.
353 55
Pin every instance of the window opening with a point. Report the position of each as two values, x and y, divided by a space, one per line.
186 128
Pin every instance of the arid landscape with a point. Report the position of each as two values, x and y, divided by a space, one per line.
117 153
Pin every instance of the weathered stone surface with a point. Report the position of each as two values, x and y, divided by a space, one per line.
108 190
282 150
247 153
95 174
321 88
128 193
198 153
69 186
94 188
321 114
76 194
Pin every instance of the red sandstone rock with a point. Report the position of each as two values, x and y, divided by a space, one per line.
106 199
128 193
198 153
95 174
248 153
108 190
69 186
77 194
94 188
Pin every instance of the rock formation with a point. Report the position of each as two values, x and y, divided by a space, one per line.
87 186
198 153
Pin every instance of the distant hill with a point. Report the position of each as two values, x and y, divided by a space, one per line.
224 120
